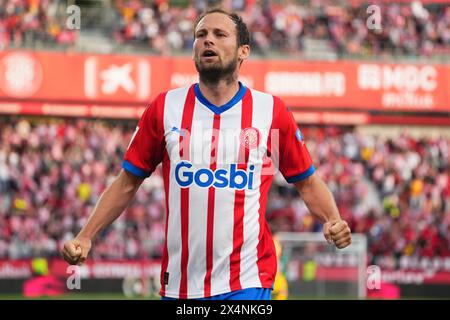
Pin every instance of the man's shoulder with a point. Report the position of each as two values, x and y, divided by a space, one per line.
173 91
172 94
276 100
180 89
256 92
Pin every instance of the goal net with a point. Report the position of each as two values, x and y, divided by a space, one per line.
315 269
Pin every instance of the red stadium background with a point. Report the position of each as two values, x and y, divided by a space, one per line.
92 85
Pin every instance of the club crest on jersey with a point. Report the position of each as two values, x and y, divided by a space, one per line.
250 138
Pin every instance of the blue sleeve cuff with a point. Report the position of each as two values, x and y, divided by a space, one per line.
302 176
135 170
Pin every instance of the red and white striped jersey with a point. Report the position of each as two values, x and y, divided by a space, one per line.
218 164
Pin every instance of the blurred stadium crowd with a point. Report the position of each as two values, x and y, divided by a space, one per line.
27 22
276 26
52 173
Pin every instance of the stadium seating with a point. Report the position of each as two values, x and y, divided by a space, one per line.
308 29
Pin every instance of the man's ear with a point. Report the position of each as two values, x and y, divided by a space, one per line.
244 52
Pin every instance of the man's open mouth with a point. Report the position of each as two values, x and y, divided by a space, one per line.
209 53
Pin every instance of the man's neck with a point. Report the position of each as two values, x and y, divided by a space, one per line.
219 93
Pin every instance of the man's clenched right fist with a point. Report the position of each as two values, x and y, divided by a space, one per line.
338 232
76 251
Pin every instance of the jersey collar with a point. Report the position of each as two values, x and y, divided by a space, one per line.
218 110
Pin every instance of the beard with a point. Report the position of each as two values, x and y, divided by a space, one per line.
212 73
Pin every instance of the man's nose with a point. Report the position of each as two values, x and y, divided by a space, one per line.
208 40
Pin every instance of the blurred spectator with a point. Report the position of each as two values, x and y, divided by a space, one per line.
42 284
23 23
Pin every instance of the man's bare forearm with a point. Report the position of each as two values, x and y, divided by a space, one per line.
111 204
318 198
